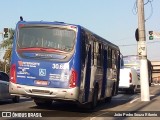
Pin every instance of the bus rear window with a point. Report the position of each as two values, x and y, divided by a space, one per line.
46 37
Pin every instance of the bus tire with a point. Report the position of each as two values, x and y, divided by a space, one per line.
113 90
94 98
108 99
16 99
43 103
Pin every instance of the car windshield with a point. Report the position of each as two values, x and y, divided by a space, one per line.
46 37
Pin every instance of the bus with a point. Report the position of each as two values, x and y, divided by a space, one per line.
133 61
57 61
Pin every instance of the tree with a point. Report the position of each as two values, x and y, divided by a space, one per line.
1 65
7 45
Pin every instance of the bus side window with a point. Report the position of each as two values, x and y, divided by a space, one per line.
113 59
99 55
109 58
94 53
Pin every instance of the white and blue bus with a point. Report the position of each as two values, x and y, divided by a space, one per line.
62 62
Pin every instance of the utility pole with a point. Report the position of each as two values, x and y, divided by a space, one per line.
142 52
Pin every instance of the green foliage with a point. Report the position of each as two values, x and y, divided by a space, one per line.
4 67
1 66
7 45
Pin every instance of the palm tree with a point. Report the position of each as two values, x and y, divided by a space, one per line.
7 45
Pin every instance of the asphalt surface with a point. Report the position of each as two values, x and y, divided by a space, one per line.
137 109
123 107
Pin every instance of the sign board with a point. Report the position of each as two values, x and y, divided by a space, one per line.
142 49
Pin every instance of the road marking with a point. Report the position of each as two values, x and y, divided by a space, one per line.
134 100
92 118
137 99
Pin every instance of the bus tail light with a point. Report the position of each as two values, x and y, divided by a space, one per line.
13 73
73 79
130 76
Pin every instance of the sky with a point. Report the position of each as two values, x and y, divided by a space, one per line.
114 20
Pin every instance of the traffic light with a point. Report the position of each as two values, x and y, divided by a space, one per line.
137 35
151 35
6 32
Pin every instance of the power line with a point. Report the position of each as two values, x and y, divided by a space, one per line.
153 42
135 11
126 38
150 2
127 45
136 44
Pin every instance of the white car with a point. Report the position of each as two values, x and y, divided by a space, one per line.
129 80
4 88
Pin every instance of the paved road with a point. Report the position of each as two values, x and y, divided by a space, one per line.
61 111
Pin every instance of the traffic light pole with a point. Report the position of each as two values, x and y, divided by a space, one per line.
142 52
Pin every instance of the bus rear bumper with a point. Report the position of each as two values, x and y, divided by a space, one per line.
44 92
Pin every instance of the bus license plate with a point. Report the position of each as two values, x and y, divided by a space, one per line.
41 82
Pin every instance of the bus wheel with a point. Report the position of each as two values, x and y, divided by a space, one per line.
94 98
108 99
43 103
16 99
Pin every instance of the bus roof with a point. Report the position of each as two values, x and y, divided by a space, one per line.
101 39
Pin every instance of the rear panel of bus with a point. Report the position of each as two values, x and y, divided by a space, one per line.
45 60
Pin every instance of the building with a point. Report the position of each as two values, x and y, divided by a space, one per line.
156 71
